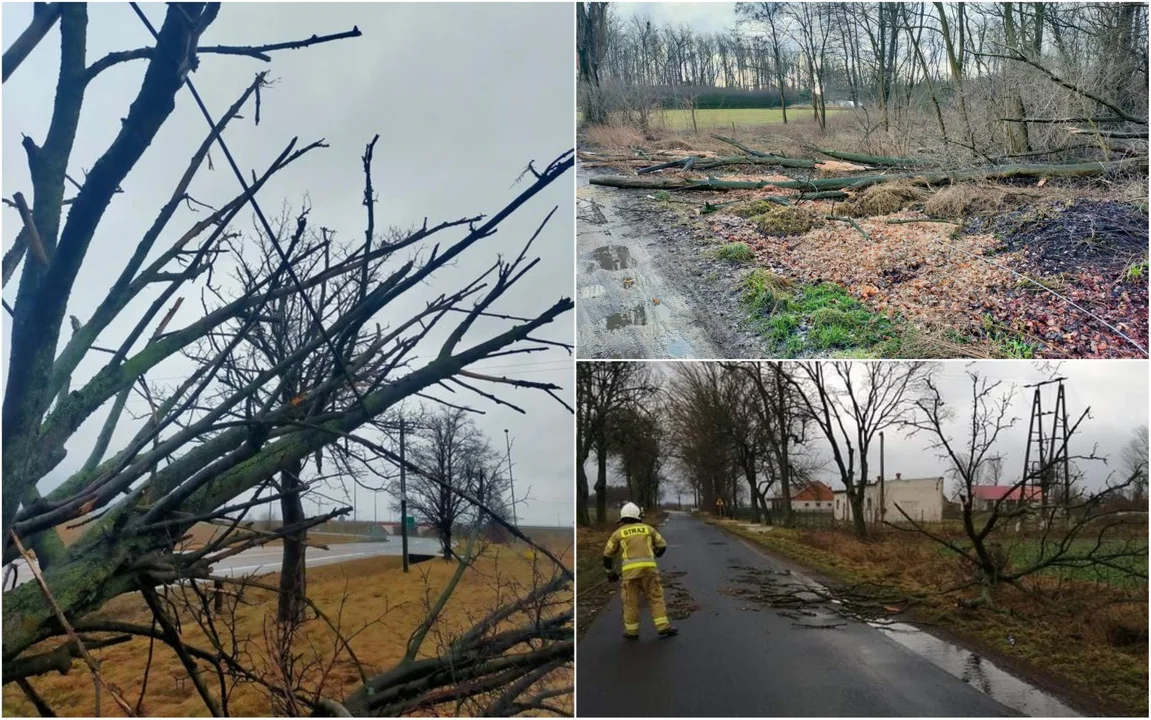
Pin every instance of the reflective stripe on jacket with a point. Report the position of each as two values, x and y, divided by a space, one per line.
635 543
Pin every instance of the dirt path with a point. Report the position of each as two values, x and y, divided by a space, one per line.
640 293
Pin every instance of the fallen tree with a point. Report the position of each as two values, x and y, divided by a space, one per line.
994 172
902 162
698 163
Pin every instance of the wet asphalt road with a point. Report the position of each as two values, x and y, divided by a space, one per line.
259 561
729 661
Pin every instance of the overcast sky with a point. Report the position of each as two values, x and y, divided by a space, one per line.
463 96
1115 390
711 17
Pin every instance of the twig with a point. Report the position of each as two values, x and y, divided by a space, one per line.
88 659
850 222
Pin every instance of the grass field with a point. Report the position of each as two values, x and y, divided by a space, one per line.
740 117
1086 637
1027 552
383 604
719 118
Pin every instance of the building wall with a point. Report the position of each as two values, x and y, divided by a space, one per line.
811 505
920 498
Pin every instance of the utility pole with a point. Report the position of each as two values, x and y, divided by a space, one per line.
511 480
882 475
403 497
1050 473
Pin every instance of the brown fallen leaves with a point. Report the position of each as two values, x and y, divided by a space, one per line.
921 273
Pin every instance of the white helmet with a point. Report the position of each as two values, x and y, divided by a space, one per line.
630 511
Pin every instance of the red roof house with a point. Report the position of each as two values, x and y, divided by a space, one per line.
985 496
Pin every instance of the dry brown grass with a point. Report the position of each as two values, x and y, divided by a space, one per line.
382 603
968 199
882 199
613 137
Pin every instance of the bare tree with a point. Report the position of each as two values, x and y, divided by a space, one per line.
454 456
1135 462
591 47
851 405
602 389
206 450
1092 532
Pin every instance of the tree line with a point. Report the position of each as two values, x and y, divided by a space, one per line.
987 74
755 434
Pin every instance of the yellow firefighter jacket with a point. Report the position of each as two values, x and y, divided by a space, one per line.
637 545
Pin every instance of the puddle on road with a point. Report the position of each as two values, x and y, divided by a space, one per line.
638 315
978 672
632 316
613 257
811 605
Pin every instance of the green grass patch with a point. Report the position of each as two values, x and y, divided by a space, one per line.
765 292
724 117
736 252
813 319
1136 271
661 195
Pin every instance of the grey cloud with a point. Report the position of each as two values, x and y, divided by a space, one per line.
462 95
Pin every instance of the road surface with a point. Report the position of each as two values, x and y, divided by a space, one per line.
735 658
258 561
627 306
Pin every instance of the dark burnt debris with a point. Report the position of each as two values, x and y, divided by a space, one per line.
1100 236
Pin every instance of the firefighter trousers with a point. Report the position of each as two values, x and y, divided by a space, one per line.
644 582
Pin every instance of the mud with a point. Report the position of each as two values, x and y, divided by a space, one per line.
647 289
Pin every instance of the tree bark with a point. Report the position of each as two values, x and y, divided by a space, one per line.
601 483
582 495
293 568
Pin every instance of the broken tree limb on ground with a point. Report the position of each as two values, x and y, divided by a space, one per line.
994 172
708 163
778 159
876 159
824 195
1111 134
850 222
741 146
1094 120
628 181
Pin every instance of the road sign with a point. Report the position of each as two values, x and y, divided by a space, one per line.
410 521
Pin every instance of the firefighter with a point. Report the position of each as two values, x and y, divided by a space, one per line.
638 545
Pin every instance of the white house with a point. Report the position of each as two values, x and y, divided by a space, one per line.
920 498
